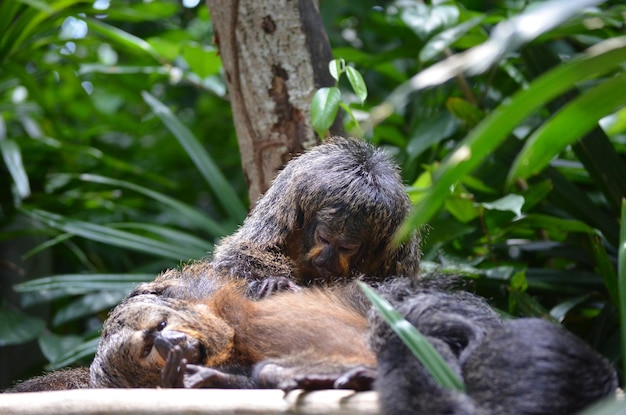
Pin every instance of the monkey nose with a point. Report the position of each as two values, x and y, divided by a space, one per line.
165 340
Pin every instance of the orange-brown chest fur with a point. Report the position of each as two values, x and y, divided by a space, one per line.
315 322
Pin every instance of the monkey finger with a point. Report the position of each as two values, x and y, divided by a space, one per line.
360 379
315 381
271 285
172 374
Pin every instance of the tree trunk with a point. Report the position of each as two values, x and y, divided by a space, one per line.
275 55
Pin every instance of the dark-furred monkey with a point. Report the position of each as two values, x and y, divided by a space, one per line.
330 215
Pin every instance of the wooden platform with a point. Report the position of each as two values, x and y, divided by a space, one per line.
188 401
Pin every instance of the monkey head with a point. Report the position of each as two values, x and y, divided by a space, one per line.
139 333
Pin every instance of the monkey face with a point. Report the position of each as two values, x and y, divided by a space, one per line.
332 250
141 331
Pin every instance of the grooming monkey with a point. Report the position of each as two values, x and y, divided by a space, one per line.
228 340
330 215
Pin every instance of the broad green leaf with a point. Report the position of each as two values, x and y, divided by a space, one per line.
509 203
17 327
74 284
13 160
493 130
197 247
559 312
324 108
111 236
568 125
536 220
336 67
442 40
357 83
461 205
203 161
621 284
415 341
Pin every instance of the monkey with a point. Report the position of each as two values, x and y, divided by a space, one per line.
521 366
63 379
329 216
229 340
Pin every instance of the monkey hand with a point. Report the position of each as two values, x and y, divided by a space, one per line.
272 375
260 289
173 373
177 373
359 379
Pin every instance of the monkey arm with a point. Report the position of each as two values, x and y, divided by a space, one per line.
266 269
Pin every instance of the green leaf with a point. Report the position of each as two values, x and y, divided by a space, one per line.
568 125
465 111
509 203
87 305
336 67
13 160
80 351
559 312
415 341
17 327
122 38
203 161
461 205
202 60
111 236
59 286
197 247
357 83
604 267
324 108
191 214
621 284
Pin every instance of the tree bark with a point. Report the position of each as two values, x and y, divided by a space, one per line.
275 55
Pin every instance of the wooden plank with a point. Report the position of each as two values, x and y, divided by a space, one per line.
189 401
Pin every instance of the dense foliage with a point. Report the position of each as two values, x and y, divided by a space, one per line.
112 111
